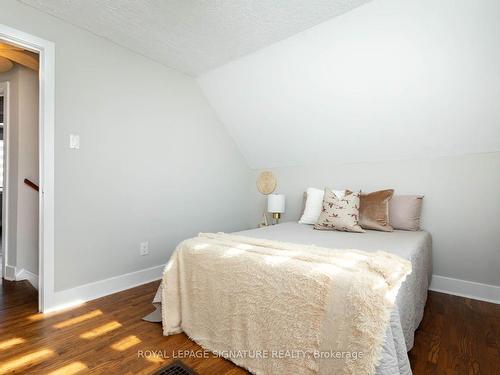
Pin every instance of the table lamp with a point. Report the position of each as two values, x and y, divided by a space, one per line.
276 205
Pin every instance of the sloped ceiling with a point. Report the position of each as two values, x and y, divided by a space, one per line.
389 80
194 36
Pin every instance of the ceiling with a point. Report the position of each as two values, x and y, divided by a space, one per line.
194 36
10 55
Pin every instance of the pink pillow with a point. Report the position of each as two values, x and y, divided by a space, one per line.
404 211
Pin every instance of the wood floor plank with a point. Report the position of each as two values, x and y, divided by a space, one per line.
457 336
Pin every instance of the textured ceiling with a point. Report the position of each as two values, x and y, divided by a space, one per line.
194 36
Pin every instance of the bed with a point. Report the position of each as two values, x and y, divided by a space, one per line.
407 313
414 246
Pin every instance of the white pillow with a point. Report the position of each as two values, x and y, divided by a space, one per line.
314 203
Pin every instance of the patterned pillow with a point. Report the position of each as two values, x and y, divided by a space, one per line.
340 213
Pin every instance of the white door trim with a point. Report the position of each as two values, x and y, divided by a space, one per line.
4 90
46 50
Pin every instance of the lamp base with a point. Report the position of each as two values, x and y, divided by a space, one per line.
276 217
264 222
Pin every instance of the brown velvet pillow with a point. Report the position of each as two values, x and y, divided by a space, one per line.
374 210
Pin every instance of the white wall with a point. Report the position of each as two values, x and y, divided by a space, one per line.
391 79
155 164
12 77
27 167
416 82
461 205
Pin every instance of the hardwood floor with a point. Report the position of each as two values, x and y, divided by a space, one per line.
457 336
106 336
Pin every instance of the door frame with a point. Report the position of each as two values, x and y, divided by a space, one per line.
46 126
4 91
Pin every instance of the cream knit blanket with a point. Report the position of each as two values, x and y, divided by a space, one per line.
281 308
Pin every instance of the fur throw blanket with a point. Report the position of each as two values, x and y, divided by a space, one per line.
281 308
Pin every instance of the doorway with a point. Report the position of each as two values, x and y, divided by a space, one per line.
44 219
19 133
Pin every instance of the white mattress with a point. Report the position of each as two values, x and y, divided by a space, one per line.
414 246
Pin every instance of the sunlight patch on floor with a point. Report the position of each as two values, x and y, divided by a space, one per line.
11 342
78 319
38 316
25 360
126 343
57 310
155 359
99 331
71 369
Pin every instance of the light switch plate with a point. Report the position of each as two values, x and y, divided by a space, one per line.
74 141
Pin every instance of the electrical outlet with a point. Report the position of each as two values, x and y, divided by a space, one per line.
74 141
144 250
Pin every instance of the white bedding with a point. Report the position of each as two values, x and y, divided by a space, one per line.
413 246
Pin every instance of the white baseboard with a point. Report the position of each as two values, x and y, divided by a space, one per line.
27 275
101 288
10 273
464 288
